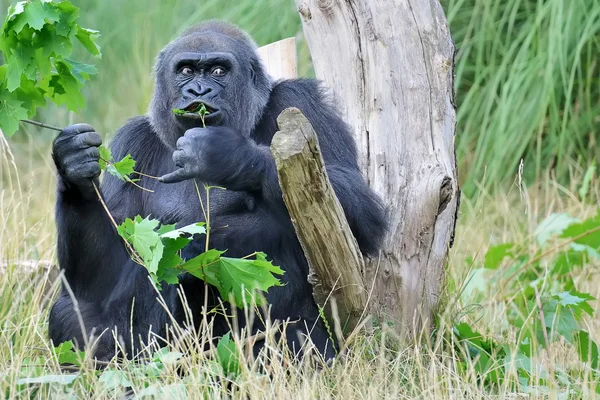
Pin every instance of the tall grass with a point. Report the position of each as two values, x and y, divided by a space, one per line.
528 86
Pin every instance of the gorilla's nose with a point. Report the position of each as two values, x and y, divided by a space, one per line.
197 92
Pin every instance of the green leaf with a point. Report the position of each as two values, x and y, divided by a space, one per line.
37 13
165 356
228 355
553 225
67 19
196 265
576 301
587 348
588 229
193 229
122 169
242 278
146 242
67 354
168 267
105 155
114 379
82 72
562 313
36 40
88 37
496 254
11 112
65 88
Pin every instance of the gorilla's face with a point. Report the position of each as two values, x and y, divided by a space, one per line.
204 79
208 68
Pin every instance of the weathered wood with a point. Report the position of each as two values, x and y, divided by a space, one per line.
280 59
390 65
332 252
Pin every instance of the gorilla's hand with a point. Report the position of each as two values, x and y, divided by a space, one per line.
217 155
75 153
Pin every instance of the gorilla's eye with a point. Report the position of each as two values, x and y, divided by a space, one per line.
187 71
218 71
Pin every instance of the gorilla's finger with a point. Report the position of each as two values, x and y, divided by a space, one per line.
72 130
181 142
92 139
179 158
93 153
176 176
85 140
90 170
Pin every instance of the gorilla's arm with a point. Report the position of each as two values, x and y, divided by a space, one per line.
362 207
90 251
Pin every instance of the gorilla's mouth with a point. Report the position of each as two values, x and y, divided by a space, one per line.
197 106
198 113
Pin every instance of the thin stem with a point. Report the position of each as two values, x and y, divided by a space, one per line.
134 256
104 205
147 176
207 189
54 128
140 187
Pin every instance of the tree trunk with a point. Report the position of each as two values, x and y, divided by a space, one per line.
390 66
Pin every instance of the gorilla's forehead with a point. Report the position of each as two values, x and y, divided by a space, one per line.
208 42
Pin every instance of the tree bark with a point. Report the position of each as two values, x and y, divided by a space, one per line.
390 66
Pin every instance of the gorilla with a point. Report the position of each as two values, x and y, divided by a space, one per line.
216 65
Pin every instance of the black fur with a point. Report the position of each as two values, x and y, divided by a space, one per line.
249 216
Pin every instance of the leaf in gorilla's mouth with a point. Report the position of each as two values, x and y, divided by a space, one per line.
194 108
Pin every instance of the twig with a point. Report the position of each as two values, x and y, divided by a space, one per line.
146 175
54 128
133 253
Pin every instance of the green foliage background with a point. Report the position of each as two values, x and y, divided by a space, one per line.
527 73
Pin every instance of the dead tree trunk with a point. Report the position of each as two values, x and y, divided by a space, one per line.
390 66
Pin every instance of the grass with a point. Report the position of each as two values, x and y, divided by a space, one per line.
375 366
528 88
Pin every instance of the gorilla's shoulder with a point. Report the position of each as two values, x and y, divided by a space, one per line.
301 91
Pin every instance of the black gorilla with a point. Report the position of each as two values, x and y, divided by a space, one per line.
217 65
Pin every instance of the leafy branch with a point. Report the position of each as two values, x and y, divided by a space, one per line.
36 41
